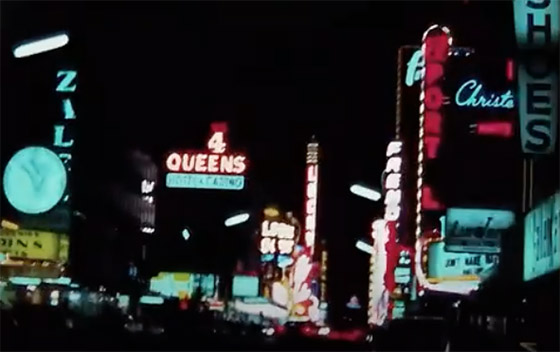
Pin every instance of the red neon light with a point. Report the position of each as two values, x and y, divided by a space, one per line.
215 161
436 48
495 128
432 123
510 70
429 202
433 99
434 72
432 146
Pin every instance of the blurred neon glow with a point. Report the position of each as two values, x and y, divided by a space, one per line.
151 300
365 192
236 219
21 280
186 234
58 281
364 247
37 46
9 225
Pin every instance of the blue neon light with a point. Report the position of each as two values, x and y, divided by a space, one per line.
471 94
205 181
267 257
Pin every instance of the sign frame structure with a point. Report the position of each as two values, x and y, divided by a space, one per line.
214 169
542 239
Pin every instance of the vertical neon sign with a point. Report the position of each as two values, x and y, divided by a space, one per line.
436 46
67 86
306 305
436 43
378 304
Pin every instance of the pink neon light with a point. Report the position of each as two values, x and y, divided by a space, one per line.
434 72
495 128
434 98
432 146
432 123
429 202
510 70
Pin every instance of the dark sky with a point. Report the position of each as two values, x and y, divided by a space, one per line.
154 75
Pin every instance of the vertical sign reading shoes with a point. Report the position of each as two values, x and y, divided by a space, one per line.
537 30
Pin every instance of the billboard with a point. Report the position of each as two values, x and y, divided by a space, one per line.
540 250
33 244
537 27
476 230
216 168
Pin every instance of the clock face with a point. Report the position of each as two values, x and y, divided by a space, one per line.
34 180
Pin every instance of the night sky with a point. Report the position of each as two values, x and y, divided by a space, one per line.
154 75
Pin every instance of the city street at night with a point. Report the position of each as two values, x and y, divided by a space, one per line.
279 175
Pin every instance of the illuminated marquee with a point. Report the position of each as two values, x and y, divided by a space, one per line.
215 169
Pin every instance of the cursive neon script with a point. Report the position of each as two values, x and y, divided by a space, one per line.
414 68
470 94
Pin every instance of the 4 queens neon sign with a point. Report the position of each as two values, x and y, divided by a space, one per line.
471 94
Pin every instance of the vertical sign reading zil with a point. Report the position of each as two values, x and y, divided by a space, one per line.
216 169
63 134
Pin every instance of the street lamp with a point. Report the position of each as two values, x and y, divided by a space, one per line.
40 45
236 219
365 192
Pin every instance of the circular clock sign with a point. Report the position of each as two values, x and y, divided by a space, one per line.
34 180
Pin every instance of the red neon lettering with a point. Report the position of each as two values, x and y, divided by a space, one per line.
173 162
436 48
200 163
432 146
434 98
432 123
429 202
226 163
434 71
312 173
239 164
188 163
213 163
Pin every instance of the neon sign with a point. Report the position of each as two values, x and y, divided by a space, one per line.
215 169
471 94
414 68
436 43
277 237
311 205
